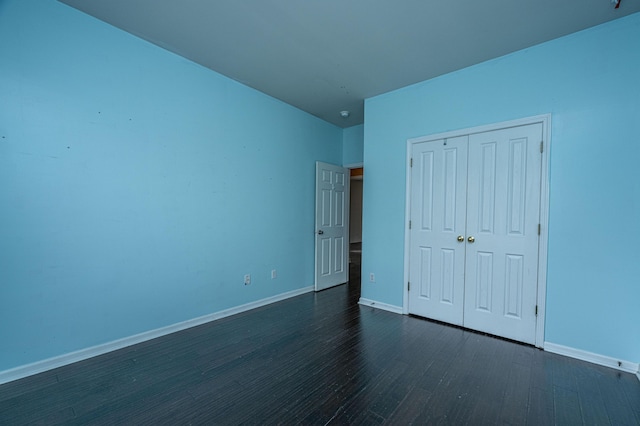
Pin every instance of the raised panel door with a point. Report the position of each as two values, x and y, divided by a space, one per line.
332 201
503 204
438 206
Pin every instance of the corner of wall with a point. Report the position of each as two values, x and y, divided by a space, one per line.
353 145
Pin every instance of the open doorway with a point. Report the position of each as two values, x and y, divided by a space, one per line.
355 216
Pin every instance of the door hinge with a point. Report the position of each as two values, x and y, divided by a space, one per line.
539 229
408 285
411 162
409 224
541 146
536 310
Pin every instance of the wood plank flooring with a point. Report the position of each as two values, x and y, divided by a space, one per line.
323 359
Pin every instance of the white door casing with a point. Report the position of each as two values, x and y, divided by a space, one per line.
501 275
331 225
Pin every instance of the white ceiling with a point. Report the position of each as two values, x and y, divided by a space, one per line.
325 56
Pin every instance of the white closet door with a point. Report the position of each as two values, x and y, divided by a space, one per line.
438 198
503 206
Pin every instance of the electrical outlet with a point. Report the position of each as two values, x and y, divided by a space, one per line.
372 277
274 274
247 279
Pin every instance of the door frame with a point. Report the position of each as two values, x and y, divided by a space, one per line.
351 167
545 120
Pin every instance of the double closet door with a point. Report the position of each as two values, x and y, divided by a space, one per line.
475 209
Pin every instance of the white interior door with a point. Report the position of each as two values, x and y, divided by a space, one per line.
473 249
438 214
332 225
503 206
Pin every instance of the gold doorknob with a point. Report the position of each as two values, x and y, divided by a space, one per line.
460 238
471 239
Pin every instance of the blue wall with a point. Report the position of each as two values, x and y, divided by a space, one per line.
353 145
590 83
136 187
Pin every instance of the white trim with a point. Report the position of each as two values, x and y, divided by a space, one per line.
353 165
545 119
481 129
69 358
543 241
379 305
407 231
629 367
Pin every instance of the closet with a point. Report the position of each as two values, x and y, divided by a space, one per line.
474 229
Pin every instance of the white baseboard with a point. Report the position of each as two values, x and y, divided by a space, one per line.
606 361
69 358
380 305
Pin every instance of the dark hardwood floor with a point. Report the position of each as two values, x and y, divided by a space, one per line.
323 359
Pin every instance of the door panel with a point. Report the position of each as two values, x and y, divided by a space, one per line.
332 207
438 204
503 206
484 282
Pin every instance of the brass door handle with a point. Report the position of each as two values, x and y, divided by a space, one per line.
460 238
471 239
